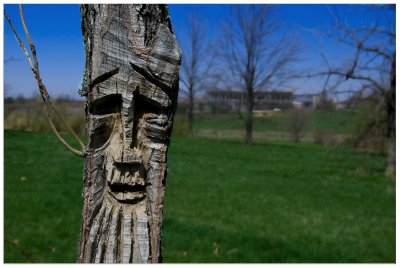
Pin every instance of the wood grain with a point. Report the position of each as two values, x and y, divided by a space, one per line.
131 87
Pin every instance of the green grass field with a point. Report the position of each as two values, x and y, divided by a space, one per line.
275 201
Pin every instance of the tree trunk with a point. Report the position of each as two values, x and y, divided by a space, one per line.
390 101
390 169
131 86
249 118
190 114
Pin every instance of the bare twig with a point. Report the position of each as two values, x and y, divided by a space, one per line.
32 46
42 89
19 41
63 142
39 80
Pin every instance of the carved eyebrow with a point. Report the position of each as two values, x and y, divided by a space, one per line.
149 76
103 77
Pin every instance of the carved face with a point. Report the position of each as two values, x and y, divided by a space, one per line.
128 136
132 138
131 76
131 169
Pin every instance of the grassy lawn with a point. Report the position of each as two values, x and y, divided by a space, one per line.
42 198
225 202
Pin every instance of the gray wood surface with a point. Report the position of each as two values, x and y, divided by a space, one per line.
131 87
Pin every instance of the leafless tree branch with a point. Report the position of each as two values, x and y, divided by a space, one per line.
374 66
42 89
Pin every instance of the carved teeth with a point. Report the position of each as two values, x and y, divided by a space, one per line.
110 171
125 177
109 176
115 176
122 177
134 179
126 185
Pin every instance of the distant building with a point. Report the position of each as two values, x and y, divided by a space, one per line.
306 100
200 105
225 100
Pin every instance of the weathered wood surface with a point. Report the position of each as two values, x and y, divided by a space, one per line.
131 86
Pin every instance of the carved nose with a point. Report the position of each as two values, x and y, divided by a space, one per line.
129 156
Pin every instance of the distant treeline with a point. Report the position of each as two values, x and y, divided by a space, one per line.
35 98
27 114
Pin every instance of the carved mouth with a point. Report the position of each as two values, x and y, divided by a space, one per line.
126 184
127 193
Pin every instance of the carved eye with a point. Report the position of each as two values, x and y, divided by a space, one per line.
106 105
102 123
150 118
102 127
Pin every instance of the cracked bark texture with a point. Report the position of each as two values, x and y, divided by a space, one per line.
131 86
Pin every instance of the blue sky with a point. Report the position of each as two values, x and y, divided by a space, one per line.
56 32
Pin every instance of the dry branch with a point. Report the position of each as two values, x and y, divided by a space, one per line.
373 64
45 97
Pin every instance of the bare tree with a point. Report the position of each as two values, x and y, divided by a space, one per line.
195 63
297 122
254 54
373 64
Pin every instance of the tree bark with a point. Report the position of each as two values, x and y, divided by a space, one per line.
190 113
131 86
249 117
390 169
